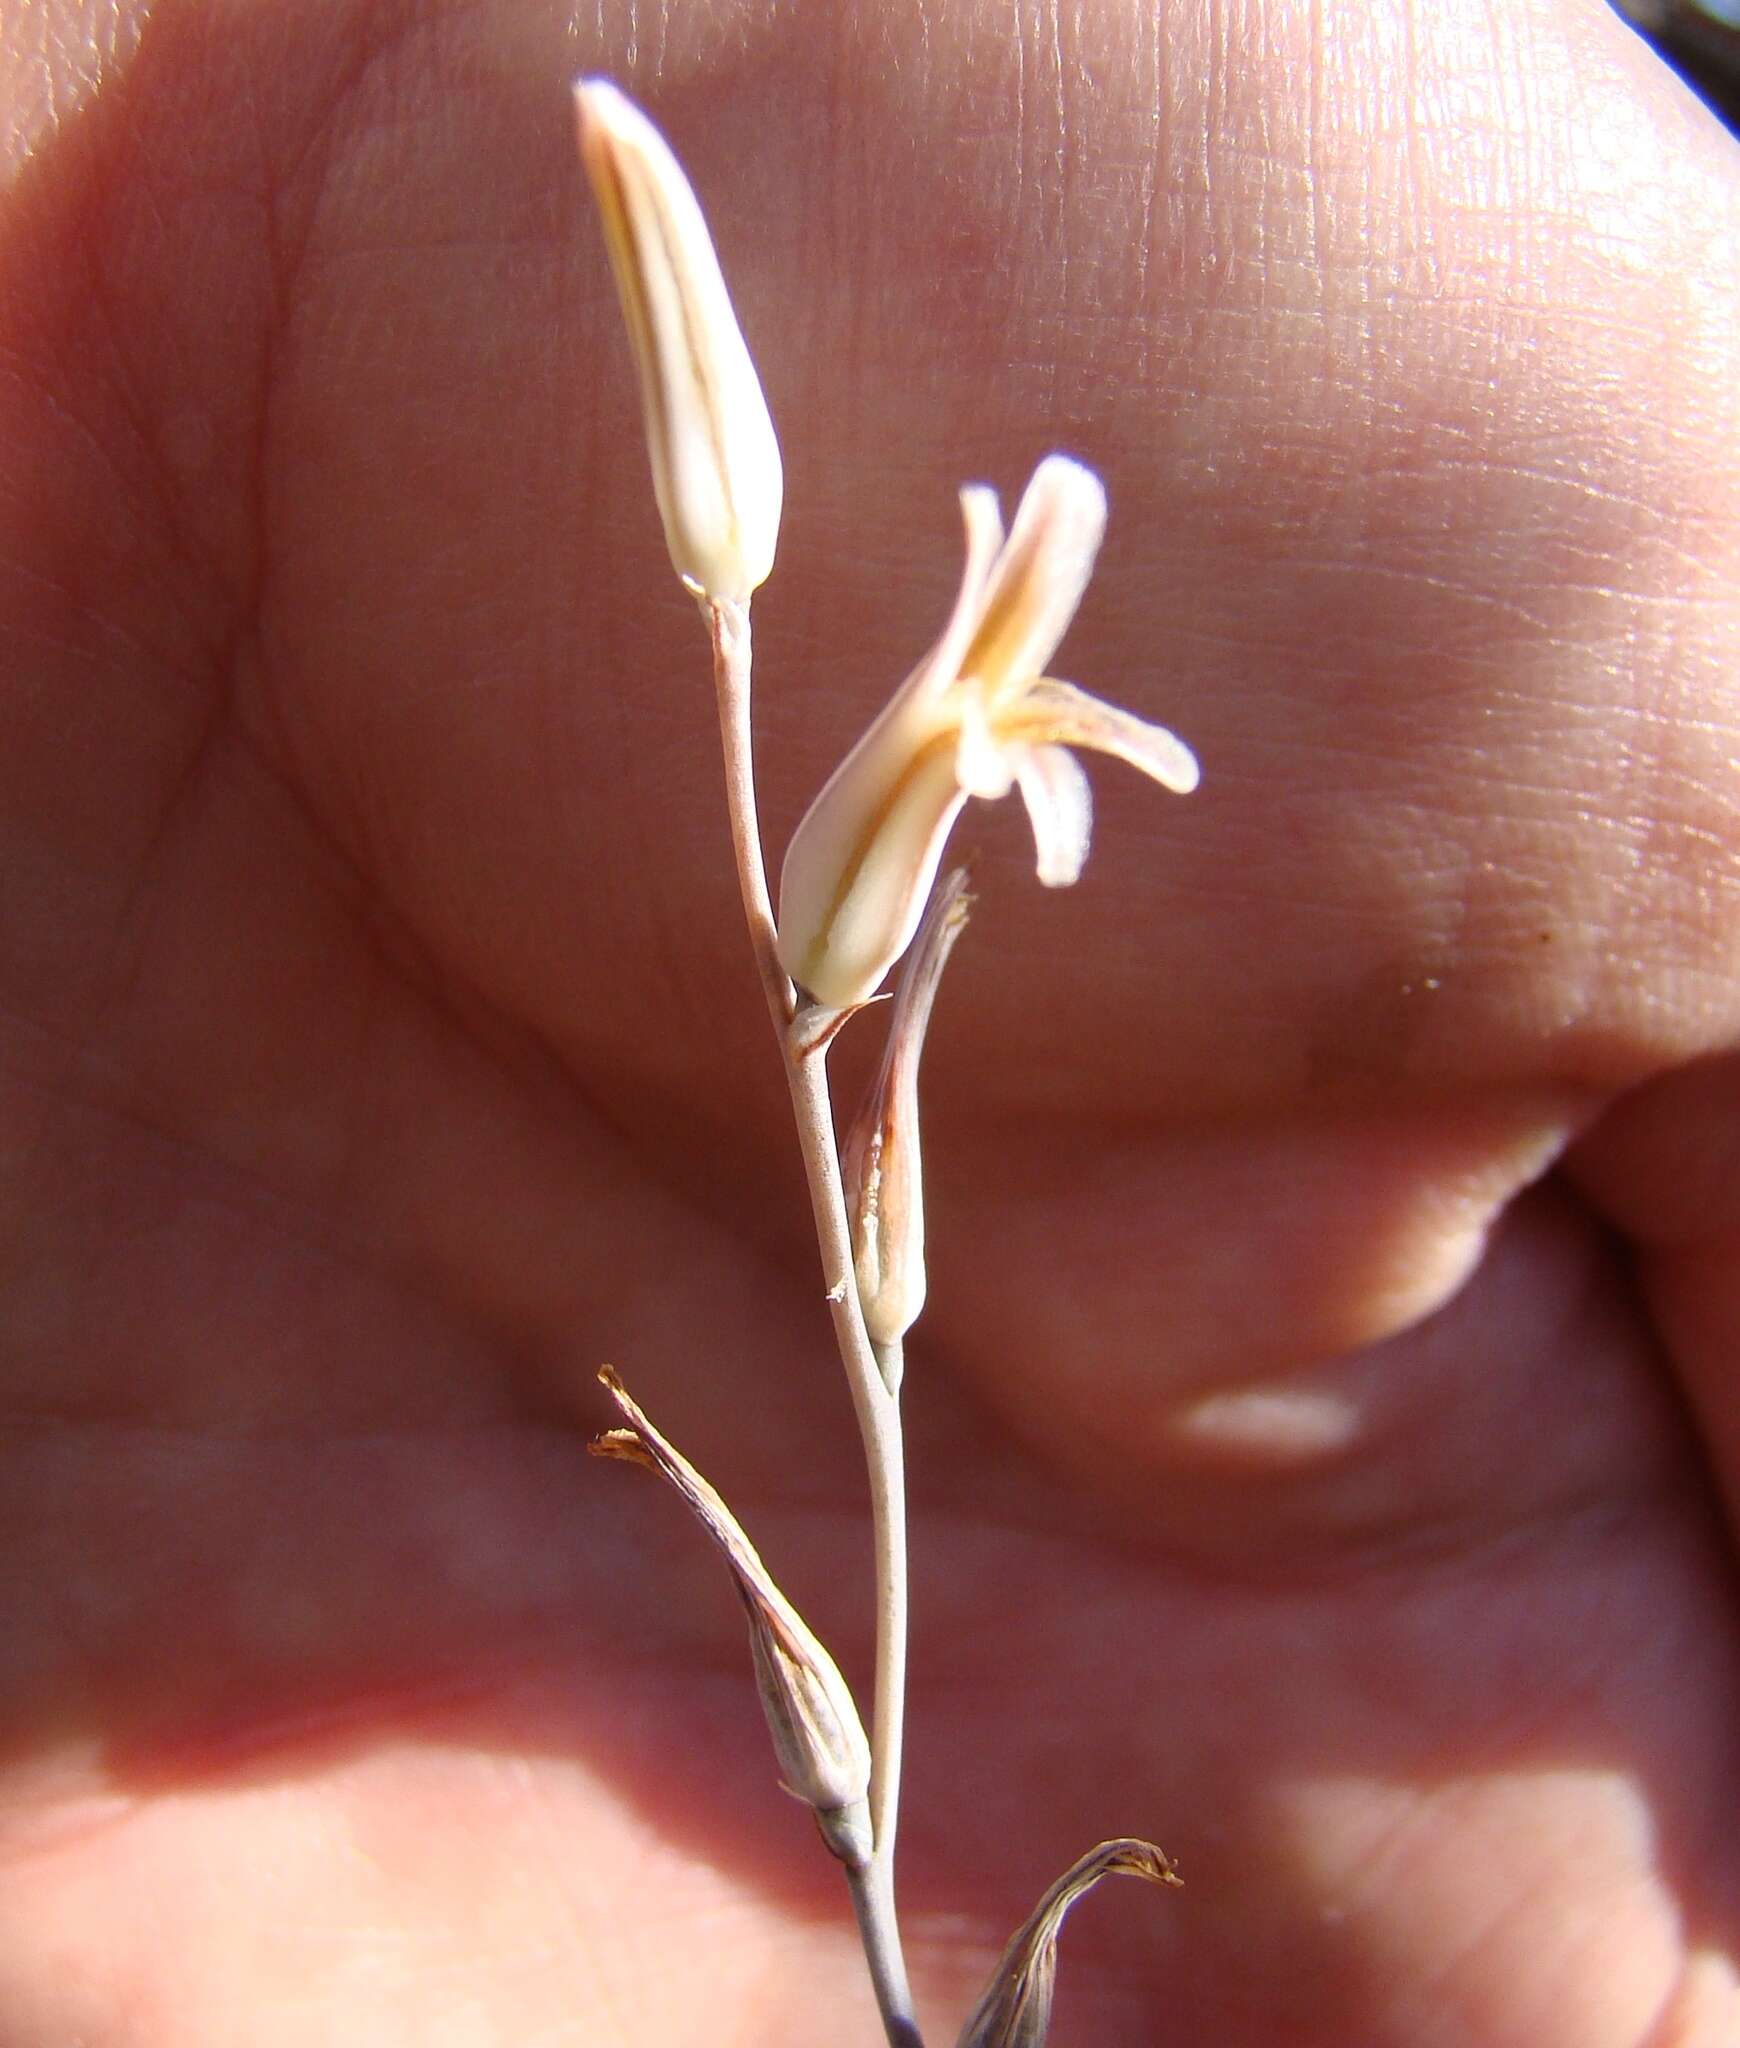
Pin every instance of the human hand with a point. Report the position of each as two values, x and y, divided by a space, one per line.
1324 1426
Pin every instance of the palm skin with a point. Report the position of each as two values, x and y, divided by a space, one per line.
1325 1431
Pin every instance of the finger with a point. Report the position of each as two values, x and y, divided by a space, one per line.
1663 1164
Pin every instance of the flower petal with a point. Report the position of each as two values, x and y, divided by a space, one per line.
859 870
862 860
983 765
1037 581
1061 807
983 521
1061 715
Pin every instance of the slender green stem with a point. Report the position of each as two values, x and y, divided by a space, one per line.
876 1407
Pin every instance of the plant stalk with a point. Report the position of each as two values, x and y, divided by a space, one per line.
876 1407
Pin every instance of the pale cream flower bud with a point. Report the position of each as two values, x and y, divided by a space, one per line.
715 460
1015 2011
882 1168
817 1734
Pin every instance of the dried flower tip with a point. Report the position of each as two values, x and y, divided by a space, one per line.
977 717
817 1734
883 1170
715 460
1015 2011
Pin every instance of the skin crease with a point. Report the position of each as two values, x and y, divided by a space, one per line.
1325 1433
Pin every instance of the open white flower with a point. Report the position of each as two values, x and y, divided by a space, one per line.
977 717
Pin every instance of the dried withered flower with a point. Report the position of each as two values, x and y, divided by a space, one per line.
817 1734
1015 2011
882 1168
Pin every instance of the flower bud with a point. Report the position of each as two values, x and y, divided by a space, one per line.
715 460
882 1168
817 1734
1015 2011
